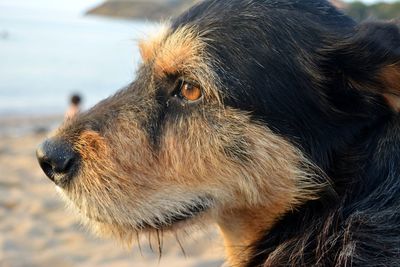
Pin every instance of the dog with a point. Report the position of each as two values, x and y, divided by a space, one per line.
277 120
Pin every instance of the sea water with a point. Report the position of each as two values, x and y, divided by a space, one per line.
46 55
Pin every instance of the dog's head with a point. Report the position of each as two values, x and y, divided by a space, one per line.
236 107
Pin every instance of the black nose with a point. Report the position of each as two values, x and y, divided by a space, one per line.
58 160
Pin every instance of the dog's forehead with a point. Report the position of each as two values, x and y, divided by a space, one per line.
173 51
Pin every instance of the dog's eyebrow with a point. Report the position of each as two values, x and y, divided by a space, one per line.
152 43
174 52
181 51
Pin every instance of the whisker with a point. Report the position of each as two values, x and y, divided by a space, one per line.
149 242
180 245
159 246
138 242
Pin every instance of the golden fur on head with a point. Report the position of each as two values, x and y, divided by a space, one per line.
213 158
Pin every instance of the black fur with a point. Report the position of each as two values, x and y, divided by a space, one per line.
311 75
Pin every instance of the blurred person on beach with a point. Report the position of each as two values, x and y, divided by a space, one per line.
74 107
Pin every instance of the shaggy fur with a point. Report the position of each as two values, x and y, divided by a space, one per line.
292 147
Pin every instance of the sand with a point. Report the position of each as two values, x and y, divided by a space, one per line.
36 230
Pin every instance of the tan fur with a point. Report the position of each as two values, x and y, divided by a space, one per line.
149 47
251 223
90 145
249 175
390 77
178 53
173 54
388 80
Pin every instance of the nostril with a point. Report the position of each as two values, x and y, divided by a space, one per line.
47 169
57 160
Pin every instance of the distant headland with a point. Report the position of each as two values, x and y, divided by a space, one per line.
159 10
156 10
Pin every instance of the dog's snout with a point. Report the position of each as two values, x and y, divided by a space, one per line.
58 160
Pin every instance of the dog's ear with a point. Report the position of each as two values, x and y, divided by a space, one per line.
369 60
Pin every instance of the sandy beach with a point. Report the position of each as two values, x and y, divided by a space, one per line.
37 231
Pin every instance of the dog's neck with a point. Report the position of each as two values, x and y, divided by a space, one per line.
241 228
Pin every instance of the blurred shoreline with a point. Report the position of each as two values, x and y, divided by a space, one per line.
15 126
46 57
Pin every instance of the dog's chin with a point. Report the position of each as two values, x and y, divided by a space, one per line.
114 229
191 213
174 220
171 222
127 233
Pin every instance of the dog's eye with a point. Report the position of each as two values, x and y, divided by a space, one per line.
189 91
